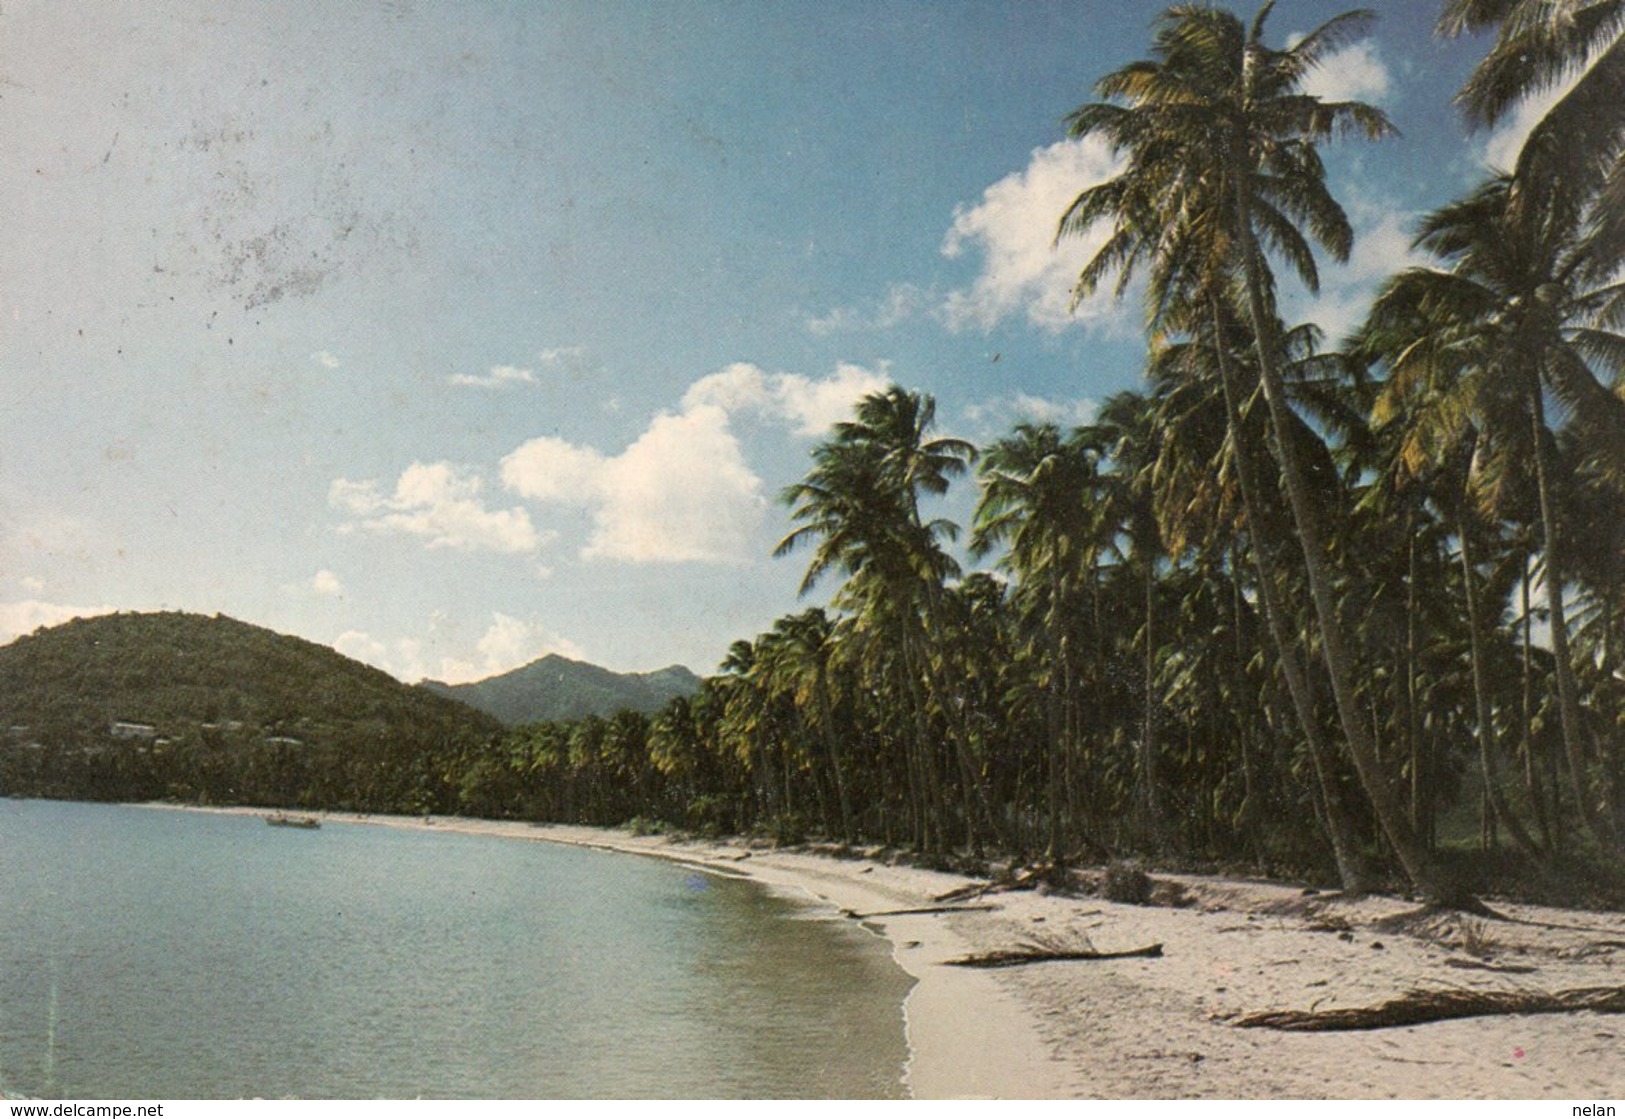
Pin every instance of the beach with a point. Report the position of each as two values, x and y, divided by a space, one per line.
1165 1027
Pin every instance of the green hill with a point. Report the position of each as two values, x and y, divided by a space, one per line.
173 704
556 688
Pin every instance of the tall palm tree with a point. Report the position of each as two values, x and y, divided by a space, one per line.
1505 321
1221 147
1037 503
861 503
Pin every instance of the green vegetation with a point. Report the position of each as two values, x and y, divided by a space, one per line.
1351 612
139 706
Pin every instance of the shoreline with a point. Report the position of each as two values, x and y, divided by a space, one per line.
1160 1028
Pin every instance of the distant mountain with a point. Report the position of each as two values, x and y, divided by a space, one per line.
557 688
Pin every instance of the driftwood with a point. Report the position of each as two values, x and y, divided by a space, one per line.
1029 878
1417 1007
856 916
1014 957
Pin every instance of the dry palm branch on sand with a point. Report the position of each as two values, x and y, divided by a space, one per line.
1416 1007
1038 953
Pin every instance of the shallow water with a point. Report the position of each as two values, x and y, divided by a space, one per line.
149 954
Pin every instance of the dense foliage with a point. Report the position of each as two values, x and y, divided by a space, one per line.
136 706
1352 608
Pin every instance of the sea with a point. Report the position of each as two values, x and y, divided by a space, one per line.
148 954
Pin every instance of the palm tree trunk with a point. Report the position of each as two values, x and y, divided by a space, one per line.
1568 694
1487 749
1345 851
1531 772
826 718
1419 865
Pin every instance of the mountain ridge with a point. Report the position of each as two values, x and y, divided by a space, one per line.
555 688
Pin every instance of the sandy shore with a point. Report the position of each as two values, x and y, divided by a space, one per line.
1142 1028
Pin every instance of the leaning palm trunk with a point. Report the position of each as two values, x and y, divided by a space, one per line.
1419 866
1345 852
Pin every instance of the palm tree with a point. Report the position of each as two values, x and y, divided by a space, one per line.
1221 148
1482 341
1573 160
1037 502
861 504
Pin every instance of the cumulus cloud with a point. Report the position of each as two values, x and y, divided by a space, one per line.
508 644
501 376
1382 248
809 406
441 503
682 492
1356 73
18 619
1024 272
326 584
325 359
444 655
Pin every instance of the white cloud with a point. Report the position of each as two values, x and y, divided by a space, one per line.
1356 73
570 360
682 491
441 503
508 644
325 360
1000 414
326 584
810 406
32 583
1024 271
1382 248
500 376
18 619
444 654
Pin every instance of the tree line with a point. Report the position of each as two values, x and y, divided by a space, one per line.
1343 603
1349 607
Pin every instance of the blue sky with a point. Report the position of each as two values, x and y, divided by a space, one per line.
455 334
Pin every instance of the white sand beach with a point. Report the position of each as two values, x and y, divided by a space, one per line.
1162 1028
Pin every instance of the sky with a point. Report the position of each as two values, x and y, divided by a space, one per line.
453 335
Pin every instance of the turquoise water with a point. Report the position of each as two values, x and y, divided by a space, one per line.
176 955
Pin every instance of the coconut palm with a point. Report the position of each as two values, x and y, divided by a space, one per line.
1573 159
861 504
1485 340
1221 164
1038 503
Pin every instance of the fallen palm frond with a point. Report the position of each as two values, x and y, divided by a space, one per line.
1014 957
856 916
1051 875
1417 1007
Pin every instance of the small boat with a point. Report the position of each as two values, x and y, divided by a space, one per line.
283 820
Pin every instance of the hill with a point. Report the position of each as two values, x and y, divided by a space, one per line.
557 688
174 704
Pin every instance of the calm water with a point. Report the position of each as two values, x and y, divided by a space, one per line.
149 954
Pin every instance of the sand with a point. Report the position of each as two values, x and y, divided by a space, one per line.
1162 1028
